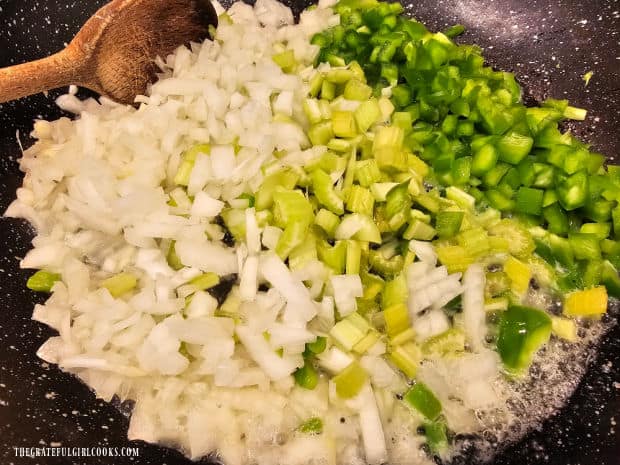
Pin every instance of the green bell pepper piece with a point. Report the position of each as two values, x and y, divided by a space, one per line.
522 331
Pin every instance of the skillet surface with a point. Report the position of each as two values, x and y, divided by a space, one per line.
549 44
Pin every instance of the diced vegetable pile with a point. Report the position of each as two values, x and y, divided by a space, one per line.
352 219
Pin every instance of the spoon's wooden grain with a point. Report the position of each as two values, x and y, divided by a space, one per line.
113 54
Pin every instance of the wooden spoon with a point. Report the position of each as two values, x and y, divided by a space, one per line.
113 54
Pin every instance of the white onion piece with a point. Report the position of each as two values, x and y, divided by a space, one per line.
474 316
273 365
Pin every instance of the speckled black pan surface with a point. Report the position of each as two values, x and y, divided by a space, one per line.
549 44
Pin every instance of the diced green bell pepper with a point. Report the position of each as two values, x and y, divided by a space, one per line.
522 331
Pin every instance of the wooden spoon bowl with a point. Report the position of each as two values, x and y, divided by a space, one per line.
113 54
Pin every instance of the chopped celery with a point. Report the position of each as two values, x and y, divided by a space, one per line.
350 330
315 84
205 281
396 319
357 90
406 357
285 60
391 159
350 381
380 190
187 163
333 257
360 200
327 221
285 179
450 342
367 172
312 110
386 267
291 207
520 241
304 253
397 200
328 91
354 257
372 284
395 292
321 133
324 191
496 284
419 230
339 76
359 227
428 202
454 257
367 114
234 219
388 137
476 241
120 284
367 342
343 124
460 197
42 281
293 236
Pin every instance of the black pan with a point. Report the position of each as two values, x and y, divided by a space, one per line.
549 44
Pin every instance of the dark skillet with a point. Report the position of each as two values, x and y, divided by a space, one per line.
549 44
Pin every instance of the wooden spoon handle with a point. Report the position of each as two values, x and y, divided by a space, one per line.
37 76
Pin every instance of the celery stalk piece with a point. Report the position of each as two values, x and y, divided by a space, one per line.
396 319
359 227
42 281
360 200
406 357
293 236
367 114
291 206
119 284
354 257
205 281
350 330
324 191
285 60
327 221
343 124
285 179
349 382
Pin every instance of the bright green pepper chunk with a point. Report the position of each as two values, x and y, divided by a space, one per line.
522 331
421 398
42 281
529 201
306 376
573 191
436 437
448 223
312 426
